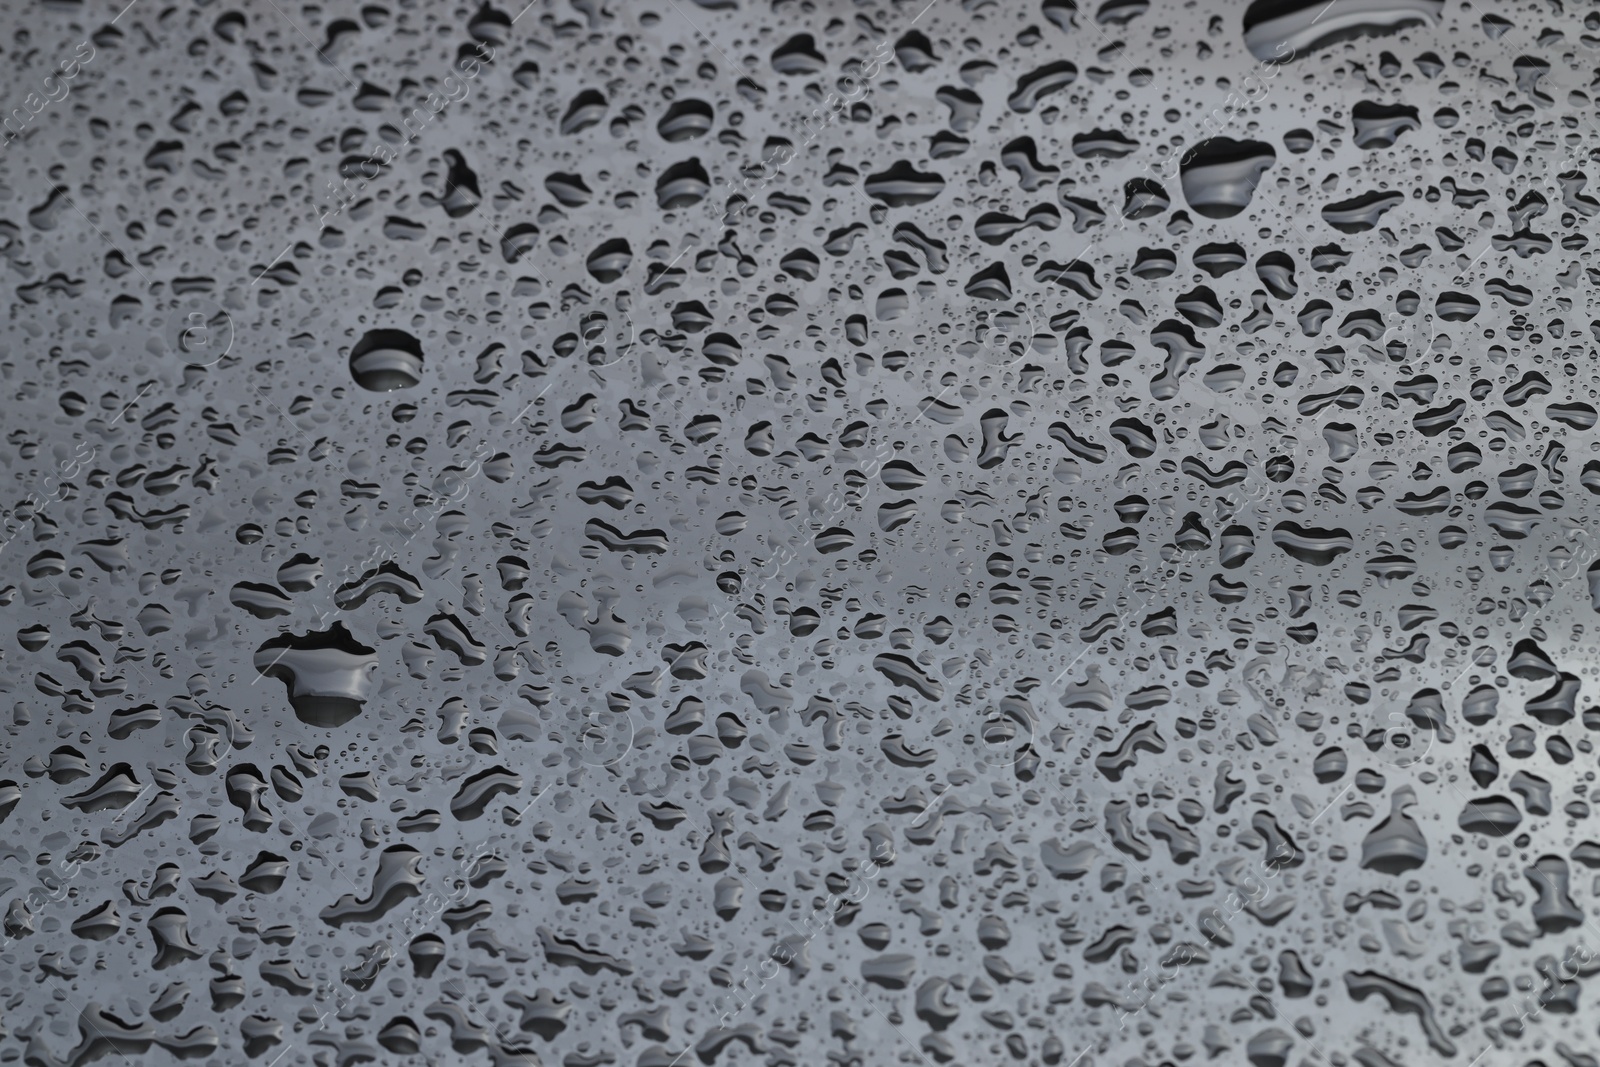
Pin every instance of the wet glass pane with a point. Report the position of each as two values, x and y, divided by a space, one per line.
721 532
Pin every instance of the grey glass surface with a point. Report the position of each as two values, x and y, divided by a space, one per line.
808 533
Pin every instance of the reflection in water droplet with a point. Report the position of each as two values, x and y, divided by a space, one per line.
385 360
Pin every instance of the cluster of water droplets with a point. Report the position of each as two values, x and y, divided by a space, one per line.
724 531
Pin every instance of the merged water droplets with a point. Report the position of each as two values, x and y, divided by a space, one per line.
328 674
